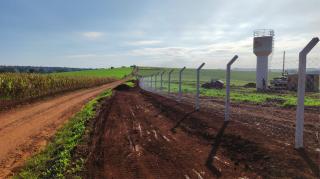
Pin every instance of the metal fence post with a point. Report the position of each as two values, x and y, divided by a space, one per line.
161 80
169 80
180 83
301 92
227 100
198 87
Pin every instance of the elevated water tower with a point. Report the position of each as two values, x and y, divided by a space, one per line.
262 47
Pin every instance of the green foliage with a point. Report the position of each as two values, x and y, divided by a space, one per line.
112 72
53 161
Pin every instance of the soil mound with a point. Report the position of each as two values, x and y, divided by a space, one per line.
218 84
122 87
250 85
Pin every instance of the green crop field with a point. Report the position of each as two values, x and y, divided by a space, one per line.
238 92
23 86
112 73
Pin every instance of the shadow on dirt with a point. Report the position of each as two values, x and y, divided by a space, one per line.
312 165
213 152
186 116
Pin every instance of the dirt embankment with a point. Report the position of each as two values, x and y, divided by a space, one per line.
142 135
24 130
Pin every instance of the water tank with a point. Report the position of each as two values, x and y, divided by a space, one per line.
262 48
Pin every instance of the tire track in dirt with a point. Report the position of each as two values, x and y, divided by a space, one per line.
24 130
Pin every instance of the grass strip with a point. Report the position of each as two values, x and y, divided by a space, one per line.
130 84
54 160
250 95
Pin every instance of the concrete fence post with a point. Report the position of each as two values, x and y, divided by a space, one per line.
180 83
227 100
301 92
155 81
197 105
169 80
151 77
140 82
144 82
161 80
150 82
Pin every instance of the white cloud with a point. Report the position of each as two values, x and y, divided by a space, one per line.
89 56
144 42
196 52
93 35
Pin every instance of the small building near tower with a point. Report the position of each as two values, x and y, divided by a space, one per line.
312 81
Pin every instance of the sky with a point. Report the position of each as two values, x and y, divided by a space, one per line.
166 33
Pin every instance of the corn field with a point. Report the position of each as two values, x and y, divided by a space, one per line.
21 86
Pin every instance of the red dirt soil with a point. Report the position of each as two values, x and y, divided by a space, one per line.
142 135
24 130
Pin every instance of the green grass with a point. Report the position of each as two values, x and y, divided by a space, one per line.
250 95
115 73
54 160
130 83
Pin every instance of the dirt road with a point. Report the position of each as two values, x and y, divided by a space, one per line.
143 135
24 130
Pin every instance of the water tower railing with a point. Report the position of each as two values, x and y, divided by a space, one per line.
263 33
